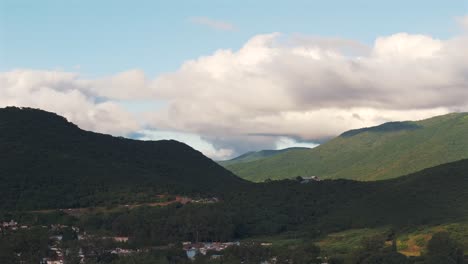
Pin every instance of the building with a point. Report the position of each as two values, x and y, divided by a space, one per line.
310 179
192 249
120 239
12 224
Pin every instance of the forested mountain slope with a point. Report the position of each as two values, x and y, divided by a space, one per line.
382 152
47 162
256 155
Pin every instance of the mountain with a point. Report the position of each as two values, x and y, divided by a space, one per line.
256 155
432 196
375 153
288 213
48 162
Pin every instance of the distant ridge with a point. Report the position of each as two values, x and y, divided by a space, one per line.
48 162
386 127
375 153
256 155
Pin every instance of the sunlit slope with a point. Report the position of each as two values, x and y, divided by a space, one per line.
256 155
386 151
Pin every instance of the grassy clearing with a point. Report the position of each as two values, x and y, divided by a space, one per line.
414 243
410 242
282 240
342 243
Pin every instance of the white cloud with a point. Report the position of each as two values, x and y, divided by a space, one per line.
195 141
311 91
212 23
64 93
405 47
273 87
286 142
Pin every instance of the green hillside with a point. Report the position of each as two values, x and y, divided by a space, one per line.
47 162
382 152
256 155
426 199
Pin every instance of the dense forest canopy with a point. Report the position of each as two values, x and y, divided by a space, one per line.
47 162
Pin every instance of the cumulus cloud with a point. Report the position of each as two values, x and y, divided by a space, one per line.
214 24
195 141
64 93
274 87
312 91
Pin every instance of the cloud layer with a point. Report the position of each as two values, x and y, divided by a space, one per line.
275 87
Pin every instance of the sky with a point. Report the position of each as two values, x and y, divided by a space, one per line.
227 77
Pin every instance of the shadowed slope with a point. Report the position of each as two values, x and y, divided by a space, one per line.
48 162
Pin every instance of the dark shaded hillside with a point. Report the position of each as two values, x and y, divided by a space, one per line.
430 197
47 162
375 153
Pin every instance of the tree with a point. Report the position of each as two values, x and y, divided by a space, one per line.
386 258
68 234
375 251
300 254
72 256
443 249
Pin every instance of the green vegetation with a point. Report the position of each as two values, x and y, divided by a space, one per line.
431 197
443 249
32 244
410 241
386 151
256 155
346 242
61 166
47 162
